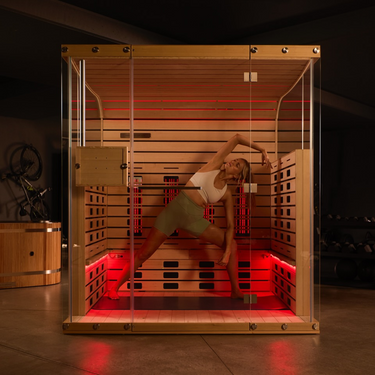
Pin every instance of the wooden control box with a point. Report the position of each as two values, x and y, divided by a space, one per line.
101 166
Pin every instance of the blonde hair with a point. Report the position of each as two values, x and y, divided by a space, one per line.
245 173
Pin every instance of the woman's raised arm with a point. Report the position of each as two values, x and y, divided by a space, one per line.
230 145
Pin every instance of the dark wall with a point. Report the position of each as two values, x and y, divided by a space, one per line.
30 106
348 172
44 135
30 102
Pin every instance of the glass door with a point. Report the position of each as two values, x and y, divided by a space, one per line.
188 102
95 176
285 84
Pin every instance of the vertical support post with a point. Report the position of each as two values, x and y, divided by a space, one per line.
82 102
70 214
303 113
131 111
311 190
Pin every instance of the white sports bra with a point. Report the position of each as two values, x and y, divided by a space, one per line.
206 181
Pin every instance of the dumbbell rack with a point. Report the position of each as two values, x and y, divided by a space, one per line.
348 264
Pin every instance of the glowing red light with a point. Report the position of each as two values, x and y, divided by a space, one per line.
135 101
189 101
96 263
247 101
282 262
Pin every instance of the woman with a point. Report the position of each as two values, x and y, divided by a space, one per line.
187 209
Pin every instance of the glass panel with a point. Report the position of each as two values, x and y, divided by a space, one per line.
96 213
185 110
73 262
283 96
263 103
170 116
308 252
109 126
66 121
316 125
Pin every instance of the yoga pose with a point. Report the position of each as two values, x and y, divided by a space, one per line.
187 209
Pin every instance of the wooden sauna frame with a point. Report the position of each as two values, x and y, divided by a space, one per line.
161 119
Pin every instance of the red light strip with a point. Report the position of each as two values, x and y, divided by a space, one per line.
246 109
135 109
247 101
187 109
196 109
170 194
209 213
243 214
192 101
135 101
93 265
293 268
188 101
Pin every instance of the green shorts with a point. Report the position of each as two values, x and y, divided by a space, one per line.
182 213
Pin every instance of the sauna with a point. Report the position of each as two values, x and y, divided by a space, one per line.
137 123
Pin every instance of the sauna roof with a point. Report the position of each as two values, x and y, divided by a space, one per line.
199 73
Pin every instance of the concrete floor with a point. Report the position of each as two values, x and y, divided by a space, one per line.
32 342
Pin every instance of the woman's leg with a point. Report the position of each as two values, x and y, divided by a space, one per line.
151 244
216 235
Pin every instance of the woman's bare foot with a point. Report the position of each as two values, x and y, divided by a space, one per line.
237 294
224 259
112 294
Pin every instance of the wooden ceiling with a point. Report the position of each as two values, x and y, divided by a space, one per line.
195 78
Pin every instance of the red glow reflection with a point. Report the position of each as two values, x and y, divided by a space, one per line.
282 358
97 356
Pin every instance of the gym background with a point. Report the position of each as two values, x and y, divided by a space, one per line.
30 107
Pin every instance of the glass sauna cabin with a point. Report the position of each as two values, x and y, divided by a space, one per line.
137 123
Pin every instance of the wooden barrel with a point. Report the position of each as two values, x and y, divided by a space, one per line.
30 254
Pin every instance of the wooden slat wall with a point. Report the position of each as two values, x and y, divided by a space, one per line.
283 282
290 229
96 220
175 151
95 212
95 282
187 109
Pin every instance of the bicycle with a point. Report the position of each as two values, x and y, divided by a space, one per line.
29 168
